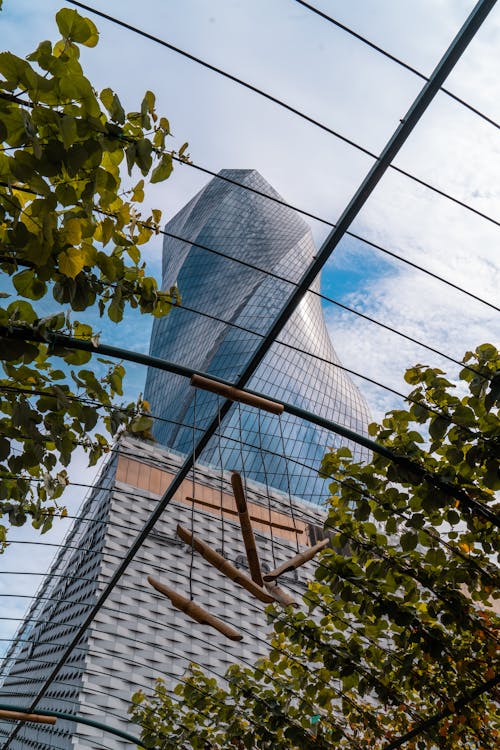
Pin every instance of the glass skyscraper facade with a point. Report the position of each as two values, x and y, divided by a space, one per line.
226 308
137 635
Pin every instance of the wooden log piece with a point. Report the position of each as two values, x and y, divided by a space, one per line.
225 567
246 529
280 595
297 561
194 611
235 394
20 716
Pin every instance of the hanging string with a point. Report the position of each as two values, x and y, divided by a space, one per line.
292 512
193 494
269 510
219 441
242 458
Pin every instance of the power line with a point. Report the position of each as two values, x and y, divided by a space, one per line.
393 562
393 58
172 653
304 515
279 201
318 357
349 233
458 705
448 488
322 296
284 105
439 75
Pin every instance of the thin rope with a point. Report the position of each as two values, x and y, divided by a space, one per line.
219 439
287 475
240 441
193 495
266 482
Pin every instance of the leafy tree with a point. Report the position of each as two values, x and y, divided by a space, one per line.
398 625
70 229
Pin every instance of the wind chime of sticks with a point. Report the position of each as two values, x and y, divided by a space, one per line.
263 587
31 718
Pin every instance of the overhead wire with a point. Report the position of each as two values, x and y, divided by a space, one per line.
340 693
320 295
359 542
129 587
438 538
162 569
326 222
95 691
281 103
304 515
280 342
433 478
393 58
420 104
183 656
366 495
326 298
458 705
280 201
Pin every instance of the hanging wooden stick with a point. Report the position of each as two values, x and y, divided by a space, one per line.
20 716
246 529
297 561
234 394
280 595
225 567
195 611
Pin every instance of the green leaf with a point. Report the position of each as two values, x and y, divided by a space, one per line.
408 541
71 262
76 357
163 170
82 330
113 105
143 158
16 70
141 423
494 393
29 285
116 308
22 311
76 28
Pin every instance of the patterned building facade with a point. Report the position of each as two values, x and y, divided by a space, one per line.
138 635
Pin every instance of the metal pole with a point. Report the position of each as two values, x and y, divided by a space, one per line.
78 719
448 488
423 100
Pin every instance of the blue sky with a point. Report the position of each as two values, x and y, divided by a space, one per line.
286 50
296 55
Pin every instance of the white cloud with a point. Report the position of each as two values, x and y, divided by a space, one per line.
419 307
306 61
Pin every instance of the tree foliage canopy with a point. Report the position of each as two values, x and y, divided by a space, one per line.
71 230
398 625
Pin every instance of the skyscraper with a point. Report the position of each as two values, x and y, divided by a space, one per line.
226 308
137 635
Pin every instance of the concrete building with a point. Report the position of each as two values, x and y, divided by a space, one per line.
137 634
